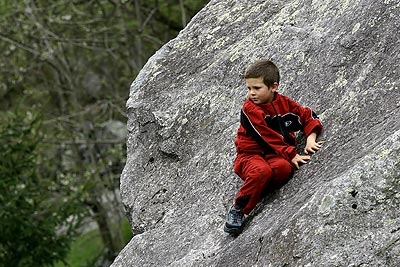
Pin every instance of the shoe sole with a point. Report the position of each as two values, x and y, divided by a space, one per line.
232 230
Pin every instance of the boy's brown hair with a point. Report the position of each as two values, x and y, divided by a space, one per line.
264 69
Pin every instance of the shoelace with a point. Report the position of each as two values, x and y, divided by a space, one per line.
235 216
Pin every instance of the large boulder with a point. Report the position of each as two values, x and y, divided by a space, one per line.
339 57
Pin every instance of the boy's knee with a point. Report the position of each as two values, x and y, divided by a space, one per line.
260 175
288 168
262 171
284 168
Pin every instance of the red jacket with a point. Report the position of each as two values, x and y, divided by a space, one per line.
275 123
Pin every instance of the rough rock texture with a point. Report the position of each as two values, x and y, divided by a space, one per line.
340 57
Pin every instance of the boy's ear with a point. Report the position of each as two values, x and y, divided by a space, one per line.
274 87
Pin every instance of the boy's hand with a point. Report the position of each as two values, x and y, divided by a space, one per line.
299 160
312 146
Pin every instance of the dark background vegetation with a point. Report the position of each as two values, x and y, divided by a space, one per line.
65 72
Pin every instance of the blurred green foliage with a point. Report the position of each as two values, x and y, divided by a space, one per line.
38 216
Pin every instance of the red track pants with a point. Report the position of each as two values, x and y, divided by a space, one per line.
259 173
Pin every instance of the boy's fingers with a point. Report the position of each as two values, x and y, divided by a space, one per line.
314 148
305 159
311 150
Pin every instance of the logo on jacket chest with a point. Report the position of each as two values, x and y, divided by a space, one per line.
290 121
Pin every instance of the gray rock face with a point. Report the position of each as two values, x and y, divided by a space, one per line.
339 57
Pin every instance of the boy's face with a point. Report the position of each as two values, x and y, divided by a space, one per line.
258 92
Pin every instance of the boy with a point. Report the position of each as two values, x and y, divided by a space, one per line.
265 141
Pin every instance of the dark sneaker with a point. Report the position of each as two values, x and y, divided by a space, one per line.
234 220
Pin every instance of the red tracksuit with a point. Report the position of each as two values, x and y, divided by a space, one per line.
266 163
